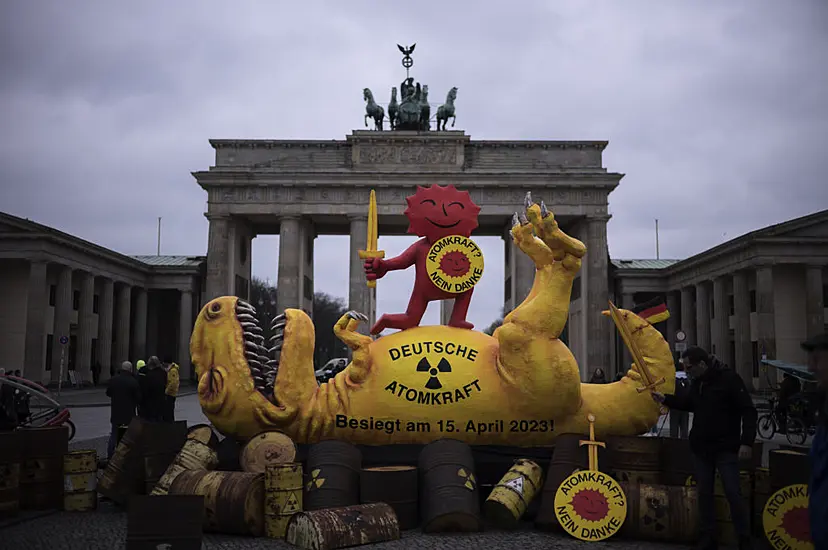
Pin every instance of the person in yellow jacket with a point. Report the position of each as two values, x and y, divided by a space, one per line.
173 381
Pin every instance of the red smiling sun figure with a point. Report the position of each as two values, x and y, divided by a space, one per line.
796 523
436 212
455 263
433 213
590 505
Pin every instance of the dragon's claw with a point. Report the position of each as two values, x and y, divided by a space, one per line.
544 211
515 220
527 200
523 219
357 316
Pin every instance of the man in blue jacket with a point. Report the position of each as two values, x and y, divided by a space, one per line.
817 348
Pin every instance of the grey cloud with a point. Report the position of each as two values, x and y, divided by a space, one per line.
715 111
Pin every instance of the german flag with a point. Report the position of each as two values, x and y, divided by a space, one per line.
654 311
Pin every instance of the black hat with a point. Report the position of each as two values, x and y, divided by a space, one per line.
817 343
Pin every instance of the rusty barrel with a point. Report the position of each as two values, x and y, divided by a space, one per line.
162 443
267 448
233 501
395 486
635 459
676 461
283 497
332 475
124 473
665 513
568 457
169 521
194 455
448 488
343 527
9 474
80 478
41 469
512 495
203 433
788 467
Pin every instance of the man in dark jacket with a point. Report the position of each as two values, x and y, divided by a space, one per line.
817 349
153 390
125 394
724 429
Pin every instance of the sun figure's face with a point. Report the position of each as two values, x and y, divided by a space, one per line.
455 264
590 505
436 212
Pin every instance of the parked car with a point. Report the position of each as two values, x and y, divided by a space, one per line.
331 369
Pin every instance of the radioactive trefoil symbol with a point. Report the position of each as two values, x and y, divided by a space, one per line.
315 481
292 504
468 477
433 381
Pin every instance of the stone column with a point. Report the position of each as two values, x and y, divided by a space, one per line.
105 306
765 317
359 295
36 303
63 318
139 335
702 316
688 314
86 323
741 307
218 258
673 306
122 333
520 271
597 260
185 328
721 327
289 286
597 294
446 307
814 301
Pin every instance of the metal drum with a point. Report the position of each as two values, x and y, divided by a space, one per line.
41 469
448 489
80 478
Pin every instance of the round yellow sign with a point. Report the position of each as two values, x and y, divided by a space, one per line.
785 518
454 264
590 505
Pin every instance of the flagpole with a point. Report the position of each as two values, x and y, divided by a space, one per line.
657 251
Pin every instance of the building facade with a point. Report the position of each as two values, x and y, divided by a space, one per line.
106 306
755 297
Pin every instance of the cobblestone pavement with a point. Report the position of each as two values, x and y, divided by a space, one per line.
106 530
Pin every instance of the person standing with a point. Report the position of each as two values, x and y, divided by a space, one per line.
724 430
817 349
125 395
680 420
173 381
153 390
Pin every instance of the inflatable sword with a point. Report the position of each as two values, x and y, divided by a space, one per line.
638 360
373 238
592 444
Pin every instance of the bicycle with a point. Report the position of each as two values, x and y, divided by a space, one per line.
796 430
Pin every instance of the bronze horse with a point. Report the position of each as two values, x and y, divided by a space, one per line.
446 110
373 110
393 109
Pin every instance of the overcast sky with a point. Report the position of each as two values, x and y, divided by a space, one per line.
716 111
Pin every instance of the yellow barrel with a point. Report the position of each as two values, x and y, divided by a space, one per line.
80 480
283 497
511 496
194 455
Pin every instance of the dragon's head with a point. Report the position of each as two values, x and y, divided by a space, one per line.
239 378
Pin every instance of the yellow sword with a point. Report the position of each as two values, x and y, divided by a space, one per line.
593 445
372 251
638 359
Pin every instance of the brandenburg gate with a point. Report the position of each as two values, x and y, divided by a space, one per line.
299 189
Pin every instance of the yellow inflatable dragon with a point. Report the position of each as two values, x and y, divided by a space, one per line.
519 387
